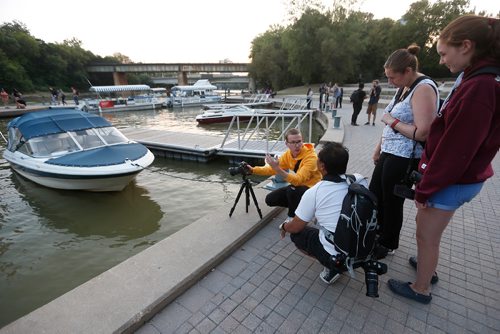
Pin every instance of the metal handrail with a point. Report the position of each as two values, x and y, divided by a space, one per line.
268 119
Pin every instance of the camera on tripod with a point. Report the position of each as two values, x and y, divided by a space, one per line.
405 190
243 168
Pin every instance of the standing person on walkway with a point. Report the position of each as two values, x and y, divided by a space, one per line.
373 101
323 202
5 97
463 140
53 96
357 98
63 97
338 98
408 118
296 166
76 95
309 97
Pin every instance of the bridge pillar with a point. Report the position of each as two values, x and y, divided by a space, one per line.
120 78
182 78
251 84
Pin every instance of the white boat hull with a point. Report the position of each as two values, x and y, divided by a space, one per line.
104 178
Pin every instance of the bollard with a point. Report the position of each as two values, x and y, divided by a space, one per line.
334 113
336 122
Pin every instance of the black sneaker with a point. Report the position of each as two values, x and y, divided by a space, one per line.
329 276
373 124
413 263
367 123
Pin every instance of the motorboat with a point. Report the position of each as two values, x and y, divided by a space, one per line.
200 93
122 98
75 150
226 114
256 100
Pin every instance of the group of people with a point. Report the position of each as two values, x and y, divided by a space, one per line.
328 93
54 93
358 97
16 96
450 145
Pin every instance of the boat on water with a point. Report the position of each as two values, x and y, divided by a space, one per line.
256 100
226 114
122 98
200 93
73 150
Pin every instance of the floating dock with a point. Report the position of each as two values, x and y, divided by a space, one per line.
200 147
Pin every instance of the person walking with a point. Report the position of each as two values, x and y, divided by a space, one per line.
5 97
373 101
63 97
309 97
357 98
407 120
76 95
462 142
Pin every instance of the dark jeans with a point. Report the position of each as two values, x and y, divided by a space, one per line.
356 109
388 172
338 102
308 241
288 197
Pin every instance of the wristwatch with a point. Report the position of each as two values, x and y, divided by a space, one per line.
282 227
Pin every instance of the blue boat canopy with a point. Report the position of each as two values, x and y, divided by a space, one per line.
52 121
119 88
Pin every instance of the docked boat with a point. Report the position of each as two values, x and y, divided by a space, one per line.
122 98
226 114
256 100
200 93
71 149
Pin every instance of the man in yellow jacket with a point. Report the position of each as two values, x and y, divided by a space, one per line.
297 166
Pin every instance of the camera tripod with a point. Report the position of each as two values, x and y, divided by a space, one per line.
247 185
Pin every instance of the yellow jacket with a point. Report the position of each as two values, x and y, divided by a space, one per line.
307 174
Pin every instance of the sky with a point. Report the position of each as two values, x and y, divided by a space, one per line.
168 31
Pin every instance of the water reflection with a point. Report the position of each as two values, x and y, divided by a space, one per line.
129 214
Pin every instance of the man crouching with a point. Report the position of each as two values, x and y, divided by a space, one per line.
323 201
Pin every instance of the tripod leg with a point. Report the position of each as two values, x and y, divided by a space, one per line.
255 200
237 199
248 186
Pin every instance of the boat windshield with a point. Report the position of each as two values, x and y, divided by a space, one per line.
91 138
111 135
51 145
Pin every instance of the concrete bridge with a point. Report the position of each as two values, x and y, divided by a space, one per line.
180 69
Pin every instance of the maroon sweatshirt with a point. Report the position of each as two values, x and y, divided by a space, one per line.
465 139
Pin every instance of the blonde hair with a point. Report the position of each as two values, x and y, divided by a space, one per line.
401 59
484 32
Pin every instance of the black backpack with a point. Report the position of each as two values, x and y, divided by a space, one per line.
355 96
356 229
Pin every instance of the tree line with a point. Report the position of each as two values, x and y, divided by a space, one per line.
347 46
318 45
30 64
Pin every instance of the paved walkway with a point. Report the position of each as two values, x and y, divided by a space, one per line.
267 286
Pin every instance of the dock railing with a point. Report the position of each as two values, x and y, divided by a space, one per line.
255 137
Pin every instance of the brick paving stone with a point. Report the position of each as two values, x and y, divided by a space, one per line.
267 286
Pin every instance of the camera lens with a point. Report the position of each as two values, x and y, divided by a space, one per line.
371 279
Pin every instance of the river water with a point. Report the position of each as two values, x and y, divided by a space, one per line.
51 240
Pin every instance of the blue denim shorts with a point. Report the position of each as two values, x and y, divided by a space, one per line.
453 197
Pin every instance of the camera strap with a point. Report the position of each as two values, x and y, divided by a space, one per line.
297 164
